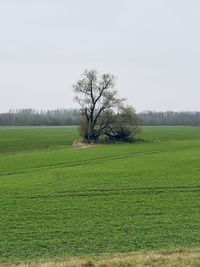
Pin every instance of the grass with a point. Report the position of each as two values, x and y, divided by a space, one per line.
16 139
61 202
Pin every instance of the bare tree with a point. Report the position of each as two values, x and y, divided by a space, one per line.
99 102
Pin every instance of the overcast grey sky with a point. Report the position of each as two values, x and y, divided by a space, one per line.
152 46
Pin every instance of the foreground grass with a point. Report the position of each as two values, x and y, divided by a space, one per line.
59 202
179 258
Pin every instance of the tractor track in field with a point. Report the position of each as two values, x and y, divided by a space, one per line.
88 161
110 192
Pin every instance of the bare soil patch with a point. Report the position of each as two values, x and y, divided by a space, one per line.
80 145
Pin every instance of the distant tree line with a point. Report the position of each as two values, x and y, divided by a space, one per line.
33 117
170 118
26 117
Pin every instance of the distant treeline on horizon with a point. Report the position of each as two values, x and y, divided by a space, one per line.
32 117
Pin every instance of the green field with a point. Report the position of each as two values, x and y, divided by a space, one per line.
57 201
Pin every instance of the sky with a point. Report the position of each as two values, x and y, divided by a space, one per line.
151 46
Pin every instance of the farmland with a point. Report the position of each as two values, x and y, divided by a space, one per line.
59 202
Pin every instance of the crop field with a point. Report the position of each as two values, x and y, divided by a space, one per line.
58 201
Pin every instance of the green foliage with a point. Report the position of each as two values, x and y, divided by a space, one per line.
57 201
124 125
